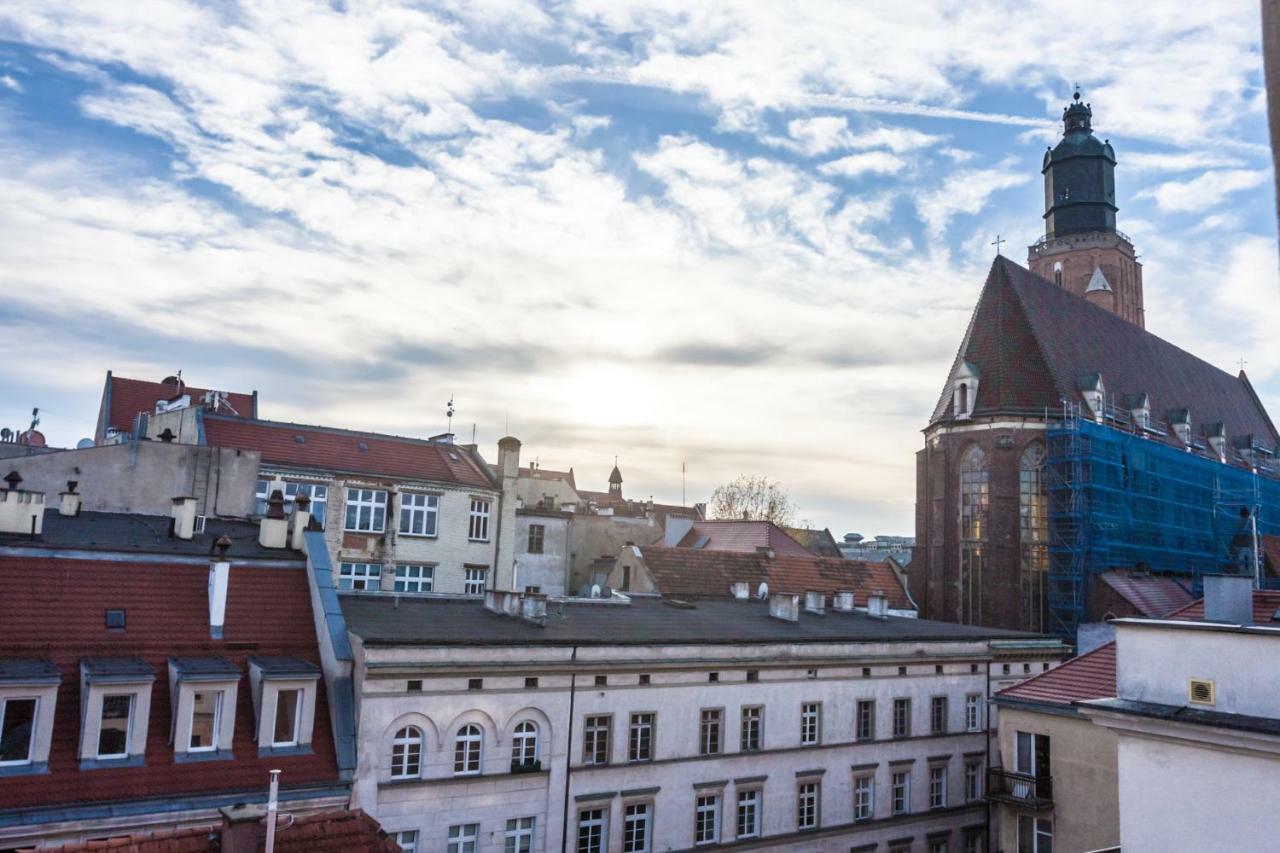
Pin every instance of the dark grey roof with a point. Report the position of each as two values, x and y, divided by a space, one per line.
29 671
204 668
285 667
117 669
143 534
377 620
1184 714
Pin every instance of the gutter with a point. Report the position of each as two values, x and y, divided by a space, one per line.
568 751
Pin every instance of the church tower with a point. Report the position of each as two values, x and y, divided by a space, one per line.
1081 250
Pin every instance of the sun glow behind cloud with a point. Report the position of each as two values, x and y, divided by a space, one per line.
746 237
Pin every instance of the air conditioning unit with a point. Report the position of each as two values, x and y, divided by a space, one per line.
199 525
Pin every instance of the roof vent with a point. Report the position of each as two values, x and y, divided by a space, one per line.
1200 691
785 606
362 447
877 605
815 602
762 591
842 601
299 439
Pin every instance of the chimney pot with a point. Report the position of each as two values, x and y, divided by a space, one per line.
1228 598
877 605
222 546
815 602
14 479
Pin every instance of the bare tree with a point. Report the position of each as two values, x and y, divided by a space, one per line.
753 497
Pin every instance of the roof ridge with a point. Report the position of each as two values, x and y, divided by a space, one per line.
332 430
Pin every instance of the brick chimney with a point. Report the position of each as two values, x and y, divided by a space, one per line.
509 473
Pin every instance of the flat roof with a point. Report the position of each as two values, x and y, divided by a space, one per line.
378 619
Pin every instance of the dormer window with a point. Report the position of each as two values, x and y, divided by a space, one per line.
1180 422
1140 410
284 702
1216 435
964 390
203 695
28 696
116 709
1094 393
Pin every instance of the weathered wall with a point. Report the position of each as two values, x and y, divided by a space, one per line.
595 536
549 570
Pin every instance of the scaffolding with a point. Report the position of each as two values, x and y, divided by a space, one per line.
1119 497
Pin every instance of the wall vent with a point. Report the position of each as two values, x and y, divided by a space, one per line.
1200 691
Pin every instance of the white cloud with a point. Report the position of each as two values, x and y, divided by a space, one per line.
1204 192
965 191
8 82
876 162
1178 161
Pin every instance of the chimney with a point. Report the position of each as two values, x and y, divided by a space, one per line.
741 590
842 601
533 608
299 519
242 828
815 602
877 605
70 505
219 576
184 517
509 479
785 605
21 511
1228 598
273 530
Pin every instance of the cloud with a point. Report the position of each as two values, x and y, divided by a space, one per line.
1208 190
965 191
8 82
858 164
819 135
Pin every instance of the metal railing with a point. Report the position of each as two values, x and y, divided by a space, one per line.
1020 789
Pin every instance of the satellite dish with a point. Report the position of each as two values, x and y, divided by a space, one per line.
763 591
84 444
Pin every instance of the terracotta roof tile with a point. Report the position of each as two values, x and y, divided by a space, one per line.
130 396
1089 676
327 832
1155 596
1265 604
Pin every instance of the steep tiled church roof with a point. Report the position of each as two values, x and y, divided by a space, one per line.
1032 342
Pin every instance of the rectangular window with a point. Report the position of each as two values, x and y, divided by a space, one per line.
464 838
973 841
367 576
706 819
1032 755
17 724
419 514
902 792
1035 834
591 834
864 797
474 581
595 745
938 715
810 723
902 718
519 837
117 718
637 828
752 728
640 739
807 799
749 813
206 709
865 726
366 510
938 786
288 712
415 578
317 492
408 840
478 524
537 535
938 845
973 781
973 712
709 740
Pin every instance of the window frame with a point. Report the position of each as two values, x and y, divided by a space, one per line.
864 808
472 575
902 717
522 753
641 732
404 764
973 712
216 727
296 740
810 723
32 732
939 783
869 718
599 820
423 507
900 792
704 805
368 574
973 780
597 734
640 814
1037 834
426 577
519 829
478 519
749 802
128 731
461 834
407 839
751 725
711 731
365 498
814 804
939 711
468 750
537 539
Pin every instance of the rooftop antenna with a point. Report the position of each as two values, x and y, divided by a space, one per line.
448 413
35 416
473 433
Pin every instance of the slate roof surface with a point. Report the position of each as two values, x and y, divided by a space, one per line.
742 536
1154 596
701 573
1031 341
348 451
130 396
1089 676
144 534
375 618
166 604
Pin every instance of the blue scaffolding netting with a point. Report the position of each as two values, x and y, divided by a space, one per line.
1119 499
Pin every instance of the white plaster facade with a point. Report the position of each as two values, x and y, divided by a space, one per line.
542 551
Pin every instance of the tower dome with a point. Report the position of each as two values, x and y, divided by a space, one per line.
1079 177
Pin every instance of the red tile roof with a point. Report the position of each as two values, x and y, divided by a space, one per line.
346 451
698 573
1154 596
54 608
744 537
1089 676
328 832
129 396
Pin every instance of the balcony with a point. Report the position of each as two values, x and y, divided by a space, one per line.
1019 789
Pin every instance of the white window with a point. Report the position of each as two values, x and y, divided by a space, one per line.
1032 755
640 741
116 724
752 727
524 744
366 510
415 578
902 718
366 576
706 819
317 492
537 538
408 840
973 712
519 835
637 823
467 747
807 800
406 753
595 739
901 791
474 581
478 526
17 730
748 813
864 797
206 720
810 723
973 781
709 740
1035 834
419 514
288 715
464 838
938 786
591 834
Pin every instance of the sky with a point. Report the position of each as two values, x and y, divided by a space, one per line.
746 237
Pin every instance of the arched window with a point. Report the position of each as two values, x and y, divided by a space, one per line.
973 532
524 744
964 399
1057 273
466 750
406 753
1033 531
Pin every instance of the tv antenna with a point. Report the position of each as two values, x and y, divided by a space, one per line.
448 413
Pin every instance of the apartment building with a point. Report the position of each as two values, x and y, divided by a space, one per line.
643 724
